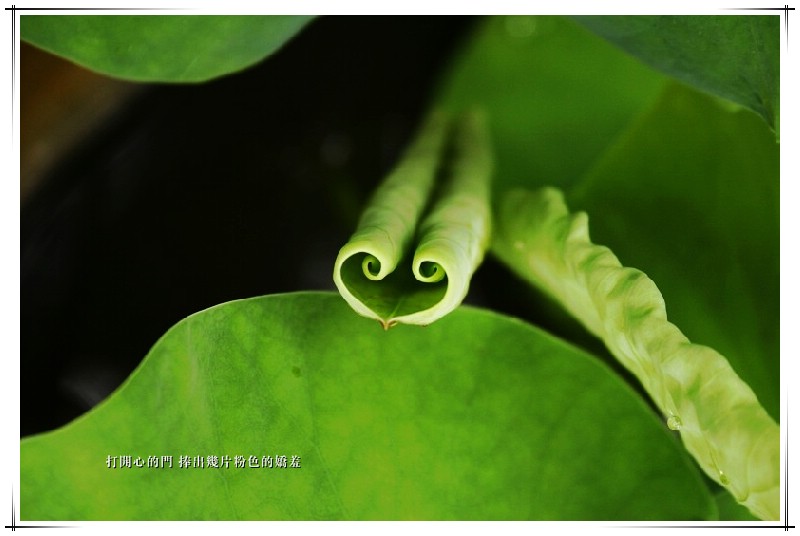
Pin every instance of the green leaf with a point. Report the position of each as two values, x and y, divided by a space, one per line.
733 56
719 417
452 237
690 195
730 510
476 417
555 94
169 48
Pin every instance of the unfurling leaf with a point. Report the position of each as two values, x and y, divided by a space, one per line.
720 420
443 209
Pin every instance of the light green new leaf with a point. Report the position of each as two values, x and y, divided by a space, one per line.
690 196
733 56
156 48
476 417
720 420
374 271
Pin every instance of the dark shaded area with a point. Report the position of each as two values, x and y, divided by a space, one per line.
200 194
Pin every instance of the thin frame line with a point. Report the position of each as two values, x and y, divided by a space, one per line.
786 9
13 65
13 526
14 9
706 526
98 9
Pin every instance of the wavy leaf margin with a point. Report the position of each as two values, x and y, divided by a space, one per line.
720 420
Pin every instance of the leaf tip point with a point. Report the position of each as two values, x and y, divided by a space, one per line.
386 324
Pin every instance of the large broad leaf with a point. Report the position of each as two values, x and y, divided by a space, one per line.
690 196
737 57
476 417
556 95
161 48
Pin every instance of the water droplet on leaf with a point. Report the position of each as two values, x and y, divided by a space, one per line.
674 422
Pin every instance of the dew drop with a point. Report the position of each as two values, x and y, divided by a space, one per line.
723 479
674 422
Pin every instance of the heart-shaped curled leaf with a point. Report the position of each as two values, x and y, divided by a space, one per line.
438 198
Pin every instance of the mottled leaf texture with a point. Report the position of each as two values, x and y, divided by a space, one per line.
477 416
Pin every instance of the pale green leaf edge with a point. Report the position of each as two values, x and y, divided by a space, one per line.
453 237
721 422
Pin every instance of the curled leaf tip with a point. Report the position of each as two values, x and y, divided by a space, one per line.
426 228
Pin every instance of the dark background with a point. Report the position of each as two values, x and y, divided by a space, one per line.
192 195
